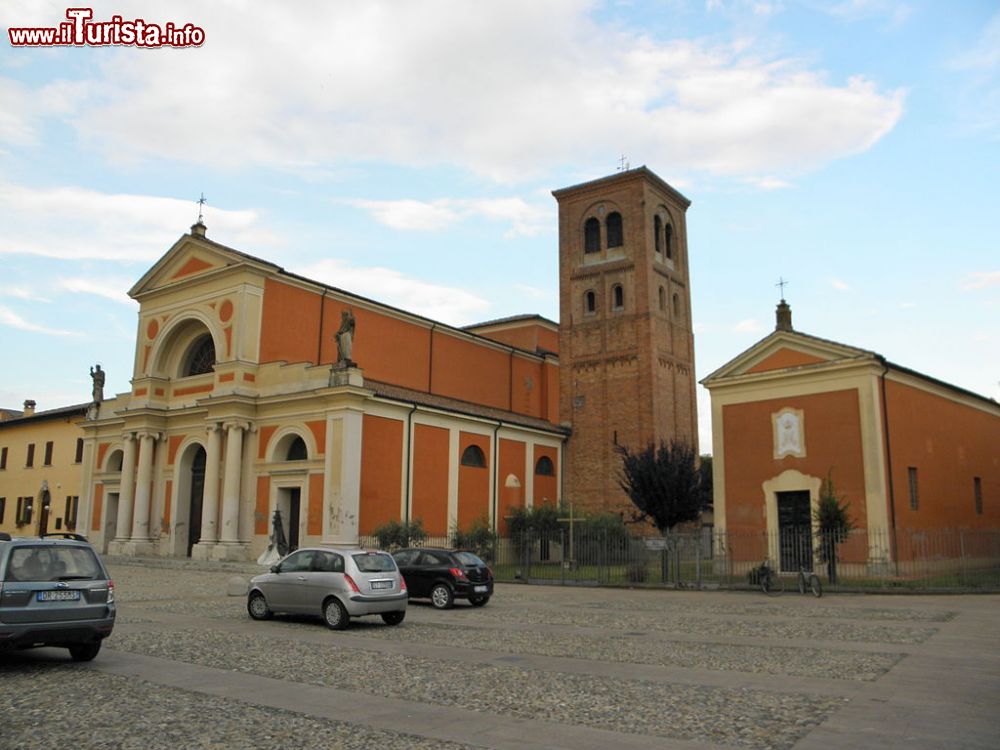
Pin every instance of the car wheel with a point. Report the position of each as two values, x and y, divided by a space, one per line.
478 601
257 607
441 596
393 618
334 614
85 651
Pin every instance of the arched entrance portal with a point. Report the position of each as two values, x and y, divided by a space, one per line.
197 494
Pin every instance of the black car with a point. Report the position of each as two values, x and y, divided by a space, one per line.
444 575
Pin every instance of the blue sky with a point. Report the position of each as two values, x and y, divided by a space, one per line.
407 151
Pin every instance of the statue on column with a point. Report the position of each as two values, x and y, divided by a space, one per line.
277 546
345 339
97 376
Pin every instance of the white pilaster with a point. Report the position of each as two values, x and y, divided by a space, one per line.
143 486
229 532
126 493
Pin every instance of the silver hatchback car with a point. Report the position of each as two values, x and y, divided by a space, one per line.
335 584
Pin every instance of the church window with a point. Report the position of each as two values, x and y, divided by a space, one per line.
615 233
201 357
668 240
914 489
30 458
662 299
48 453
617 297
3 457
79 451
589 302
592 236
544 467
297 450
657 231
677 305
473 456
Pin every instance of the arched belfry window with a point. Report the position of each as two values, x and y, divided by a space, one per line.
657 232
663 299
590 302
677 305
201 357
544 467
592 235
668 238
615 233
473 456
617 297
297 450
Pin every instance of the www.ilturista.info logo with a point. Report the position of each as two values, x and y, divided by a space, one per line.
80 31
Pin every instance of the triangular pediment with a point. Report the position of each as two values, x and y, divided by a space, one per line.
786 351
189 259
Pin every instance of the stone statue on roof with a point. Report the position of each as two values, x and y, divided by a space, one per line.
345 338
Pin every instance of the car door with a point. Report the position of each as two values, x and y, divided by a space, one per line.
325 576
406 561
285 589
433 567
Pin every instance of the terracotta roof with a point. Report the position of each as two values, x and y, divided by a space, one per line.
511 319
61 412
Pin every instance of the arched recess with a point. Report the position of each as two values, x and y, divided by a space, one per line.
113 461
186 498
283 440
172 349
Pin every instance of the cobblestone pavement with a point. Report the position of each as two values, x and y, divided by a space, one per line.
537 667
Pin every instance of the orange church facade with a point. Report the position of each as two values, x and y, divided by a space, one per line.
911 455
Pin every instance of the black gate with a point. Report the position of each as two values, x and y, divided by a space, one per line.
795 530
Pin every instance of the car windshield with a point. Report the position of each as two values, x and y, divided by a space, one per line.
374 562
467 558
52 563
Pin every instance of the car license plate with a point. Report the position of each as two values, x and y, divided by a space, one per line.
480 589
58 596
381 584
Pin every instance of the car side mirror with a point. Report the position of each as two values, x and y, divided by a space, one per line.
276 568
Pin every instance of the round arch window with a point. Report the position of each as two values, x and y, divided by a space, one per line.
200 358
544 467
297 450
473 456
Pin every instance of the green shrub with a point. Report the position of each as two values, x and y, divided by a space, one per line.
397 534
479 538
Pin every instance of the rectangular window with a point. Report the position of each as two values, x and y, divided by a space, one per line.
23 514
914 492
977 488
72 503
3 507
79 450
48 453
31 456
3 457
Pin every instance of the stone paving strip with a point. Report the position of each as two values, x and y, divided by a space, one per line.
162 718
739 717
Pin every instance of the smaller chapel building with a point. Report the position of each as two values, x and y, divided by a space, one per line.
916 459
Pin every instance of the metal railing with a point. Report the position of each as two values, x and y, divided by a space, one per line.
878 559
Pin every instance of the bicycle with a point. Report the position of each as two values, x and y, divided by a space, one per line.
810 582
770 582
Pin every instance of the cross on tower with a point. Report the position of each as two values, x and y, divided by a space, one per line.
623 164
201 205
782 284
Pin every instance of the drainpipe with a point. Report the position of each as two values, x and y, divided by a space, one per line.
888 460
496 475
409 453
319 343
430 361
510 381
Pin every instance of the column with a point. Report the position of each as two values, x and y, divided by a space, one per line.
123 525
231 482
143 486
343 528
210 497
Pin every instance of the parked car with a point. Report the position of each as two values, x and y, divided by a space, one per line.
54 591
335 584
444 575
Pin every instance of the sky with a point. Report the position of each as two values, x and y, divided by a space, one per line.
407 151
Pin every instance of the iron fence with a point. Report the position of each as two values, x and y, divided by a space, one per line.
877 559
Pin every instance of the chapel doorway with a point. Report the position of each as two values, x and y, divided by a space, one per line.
197 496
110 521
795 530
289 504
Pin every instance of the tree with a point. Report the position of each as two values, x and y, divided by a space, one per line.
396 534
705 484
663 483
833 525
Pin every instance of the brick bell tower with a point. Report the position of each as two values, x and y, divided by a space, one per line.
626 345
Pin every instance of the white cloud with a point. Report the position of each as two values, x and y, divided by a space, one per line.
524 219
535 293
109 227
854 10
748 325
436 301
769 183
907 305
26 294
115 289
840 286
11 319
506 89
984 55
982 280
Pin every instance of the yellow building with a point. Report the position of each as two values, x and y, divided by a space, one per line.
41 457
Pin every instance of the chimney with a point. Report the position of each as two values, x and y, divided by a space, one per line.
198 230
784 317
29 408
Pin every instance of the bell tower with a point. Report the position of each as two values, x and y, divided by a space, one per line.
626 344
